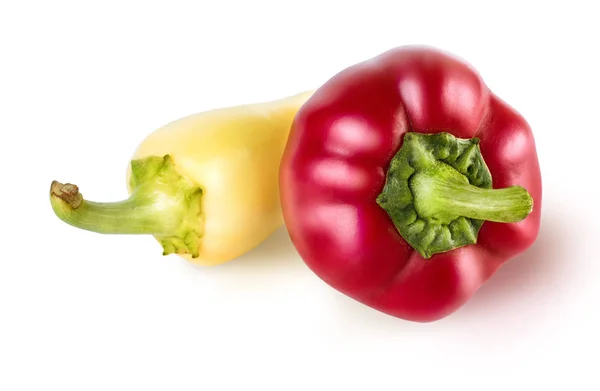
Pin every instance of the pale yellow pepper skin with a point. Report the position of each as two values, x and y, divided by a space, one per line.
232 155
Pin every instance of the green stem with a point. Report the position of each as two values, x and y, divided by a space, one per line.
139 214
162 203
438 193
439 196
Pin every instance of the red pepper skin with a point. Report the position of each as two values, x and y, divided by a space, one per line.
335 165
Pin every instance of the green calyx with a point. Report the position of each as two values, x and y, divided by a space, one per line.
163 203
438 193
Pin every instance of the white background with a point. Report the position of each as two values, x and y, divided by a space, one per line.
81 83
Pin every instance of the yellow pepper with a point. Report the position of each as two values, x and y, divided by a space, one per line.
205 186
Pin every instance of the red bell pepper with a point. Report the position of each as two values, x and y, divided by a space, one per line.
406 183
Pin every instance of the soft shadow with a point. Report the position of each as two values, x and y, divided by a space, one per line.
542 267
355 318
275 250
276 254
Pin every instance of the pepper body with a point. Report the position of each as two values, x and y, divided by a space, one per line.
205 186
233 154
336 164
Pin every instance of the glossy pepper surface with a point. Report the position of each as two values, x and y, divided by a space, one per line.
406 183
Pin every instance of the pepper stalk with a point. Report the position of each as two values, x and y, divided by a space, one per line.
162 203
438 193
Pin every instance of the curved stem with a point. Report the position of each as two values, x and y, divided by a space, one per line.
163 204
139 214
